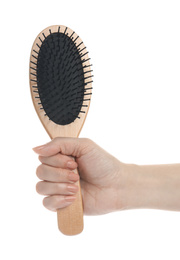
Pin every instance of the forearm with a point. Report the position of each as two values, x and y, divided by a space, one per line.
153 187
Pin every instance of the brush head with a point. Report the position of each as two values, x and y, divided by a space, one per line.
60 75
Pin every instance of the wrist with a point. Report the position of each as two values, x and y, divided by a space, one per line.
140 189
127 186
151 187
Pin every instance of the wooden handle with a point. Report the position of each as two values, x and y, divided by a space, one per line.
70 219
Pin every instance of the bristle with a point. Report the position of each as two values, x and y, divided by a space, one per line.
40 39
34 57
65 30
33 74
88 77
87 94
76 39
33 68
87 89
80 50
35 51
38 45
72 35
79 44
84 54
88 82
33 63
88 72
85 60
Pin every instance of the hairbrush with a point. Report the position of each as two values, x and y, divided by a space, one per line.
61 88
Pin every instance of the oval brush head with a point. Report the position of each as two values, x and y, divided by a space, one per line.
61 84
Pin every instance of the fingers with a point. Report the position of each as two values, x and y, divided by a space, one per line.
58 181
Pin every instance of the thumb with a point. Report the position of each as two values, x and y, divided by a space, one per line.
63 145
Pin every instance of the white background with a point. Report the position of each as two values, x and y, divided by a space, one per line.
134 114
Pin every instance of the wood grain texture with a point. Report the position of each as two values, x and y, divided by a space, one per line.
70 219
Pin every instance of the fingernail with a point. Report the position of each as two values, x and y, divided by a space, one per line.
73 176
72 188
70 198
71 164
39 147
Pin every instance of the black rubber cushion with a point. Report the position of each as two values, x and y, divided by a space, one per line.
60 78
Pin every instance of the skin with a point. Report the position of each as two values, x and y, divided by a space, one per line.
107 184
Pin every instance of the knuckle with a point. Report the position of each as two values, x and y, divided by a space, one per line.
44 202
59 202
58 188
62 175
40 158
86 144
39 187
66 187
58 175
53 202
39 171
56 202
48 203
56 140
86 141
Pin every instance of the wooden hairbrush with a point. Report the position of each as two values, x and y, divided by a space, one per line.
61 88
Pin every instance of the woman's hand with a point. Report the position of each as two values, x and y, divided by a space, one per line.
102 176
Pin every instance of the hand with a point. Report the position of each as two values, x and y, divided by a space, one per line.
102 176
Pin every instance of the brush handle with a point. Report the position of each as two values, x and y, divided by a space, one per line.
70 219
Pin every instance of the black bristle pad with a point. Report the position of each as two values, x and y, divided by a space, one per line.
60 78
